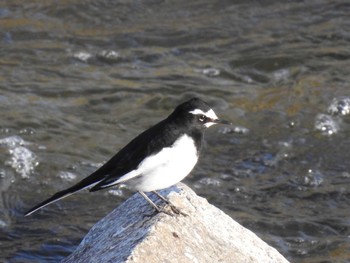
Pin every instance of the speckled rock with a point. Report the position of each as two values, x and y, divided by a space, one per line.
133 232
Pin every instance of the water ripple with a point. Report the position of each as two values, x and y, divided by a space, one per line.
22 159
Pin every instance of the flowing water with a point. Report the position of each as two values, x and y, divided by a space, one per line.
81 78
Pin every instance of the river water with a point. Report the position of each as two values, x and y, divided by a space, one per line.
79 79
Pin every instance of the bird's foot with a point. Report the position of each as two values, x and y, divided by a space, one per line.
176 210
173 208
165 211
173 211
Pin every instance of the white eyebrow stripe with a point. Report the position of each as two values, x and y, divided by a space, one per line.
210 113
197 112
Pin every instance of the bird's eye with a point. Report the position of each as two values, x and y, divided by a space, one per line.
202 118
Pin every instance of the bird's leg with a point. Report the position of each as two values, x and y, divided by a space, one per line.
172 206
162 197
149 201
157 208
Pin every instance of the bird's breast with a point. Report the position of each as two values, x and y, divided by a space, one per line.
167 167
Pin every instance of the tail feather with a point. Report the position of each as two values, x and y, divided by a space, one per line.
59 195
48 201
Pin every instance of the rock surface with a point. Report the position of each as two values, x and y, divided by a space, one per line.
133 232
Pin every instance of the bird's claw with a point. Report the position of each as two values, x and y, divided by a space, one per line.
176 210
172 211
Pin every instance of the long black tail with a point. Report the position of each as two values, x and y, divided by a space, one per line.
75 188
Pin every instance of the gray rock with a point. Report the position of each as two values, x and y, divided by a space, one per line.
133 232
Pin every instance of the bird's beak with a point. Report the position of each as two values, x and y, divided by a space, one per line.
218 121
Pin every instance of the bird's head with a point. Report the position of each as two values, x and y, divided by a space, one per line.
198 114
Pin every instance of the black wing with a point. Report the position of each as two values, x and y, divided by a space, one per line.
146 144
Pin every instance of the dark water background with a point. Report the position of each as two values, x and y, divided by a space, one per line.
79 79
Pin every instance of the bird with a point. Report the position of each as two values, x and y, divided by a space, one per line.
156 159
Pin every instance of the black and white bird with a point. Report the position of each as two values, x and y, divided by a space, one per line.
156 159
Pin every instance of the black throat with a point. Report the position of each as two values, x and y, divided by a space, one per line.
197 136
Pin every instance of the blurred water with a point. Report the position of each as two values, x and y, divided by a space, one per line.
81 78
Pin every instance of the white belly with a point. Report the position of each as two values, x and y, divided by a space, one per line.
166 168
